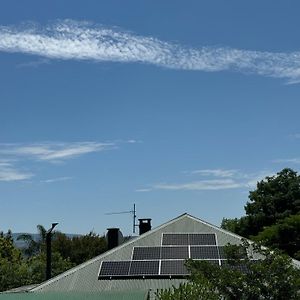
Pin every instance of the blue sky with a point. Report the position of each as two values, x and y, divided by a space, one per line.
177 107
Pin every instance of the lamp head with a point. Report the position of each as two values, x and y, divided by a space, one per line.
53 225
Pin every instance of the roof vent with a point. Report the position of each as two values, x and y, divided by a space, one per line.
114 237
144 225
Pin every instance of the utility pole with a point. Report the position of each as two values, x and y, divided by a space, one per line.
48 251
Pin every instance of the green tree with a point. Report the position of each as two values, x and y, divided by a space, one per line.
272 214
285 235
274 199
79 248
271 277
86 247
37 266
199 288
13 269
33 246
62 244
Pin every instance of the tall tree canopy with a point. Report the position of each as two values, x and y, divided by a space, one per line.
13 269
275 198
275 202
79 248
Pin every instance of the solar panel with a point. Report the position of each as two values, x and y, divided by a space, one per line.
175 239
114 268
173 267
146 267
146 253
242 252
175 252
202 239
211 261
204 252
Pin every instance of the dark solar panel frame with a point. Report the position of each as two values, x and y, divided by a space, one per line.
146 253
173 267
175 252
240 267
202 239
242 253
175 239
145 267
204 252
185 239
114 268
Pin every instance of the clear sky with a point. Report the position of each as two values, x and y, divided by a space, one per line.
177 106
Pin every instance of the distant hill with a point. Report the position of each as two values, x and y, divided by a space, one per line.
21 244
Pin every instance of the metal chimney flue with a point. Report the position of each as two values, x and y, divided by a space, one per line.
114 237
144 225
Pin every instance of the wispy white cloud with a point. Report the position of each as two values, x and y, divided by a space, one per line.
132 141
295 160
34 63
9 173
58 179
213 184
143 190
54 152
86 41
15 154
214 172
223 180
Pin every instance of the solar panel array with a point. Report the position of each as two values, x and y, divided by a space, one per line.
189 239
167 260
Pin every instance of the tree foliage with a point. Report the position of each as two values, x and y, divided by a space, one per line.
79 248
30 268
13 269
33 247
272 213
36 266
274 199
285 235
271 277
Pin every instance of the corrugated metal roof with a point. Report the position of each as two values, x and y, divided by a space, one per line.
84 278
132 295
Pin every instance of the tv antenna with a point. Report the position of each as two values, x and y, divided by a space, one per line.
133 212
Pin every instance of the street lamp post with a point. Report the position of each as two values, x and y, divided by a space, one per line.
48 251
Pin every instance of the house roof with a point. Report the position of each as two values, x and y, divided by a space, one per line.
130 295
84 277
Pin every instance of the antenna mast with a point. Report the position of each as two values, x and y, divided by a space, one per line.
133 212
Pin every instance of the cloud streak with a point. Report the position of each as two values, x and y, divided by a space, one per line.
71 40
9 173
54 152
58 179
214 172
213 184
295 160
216 179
